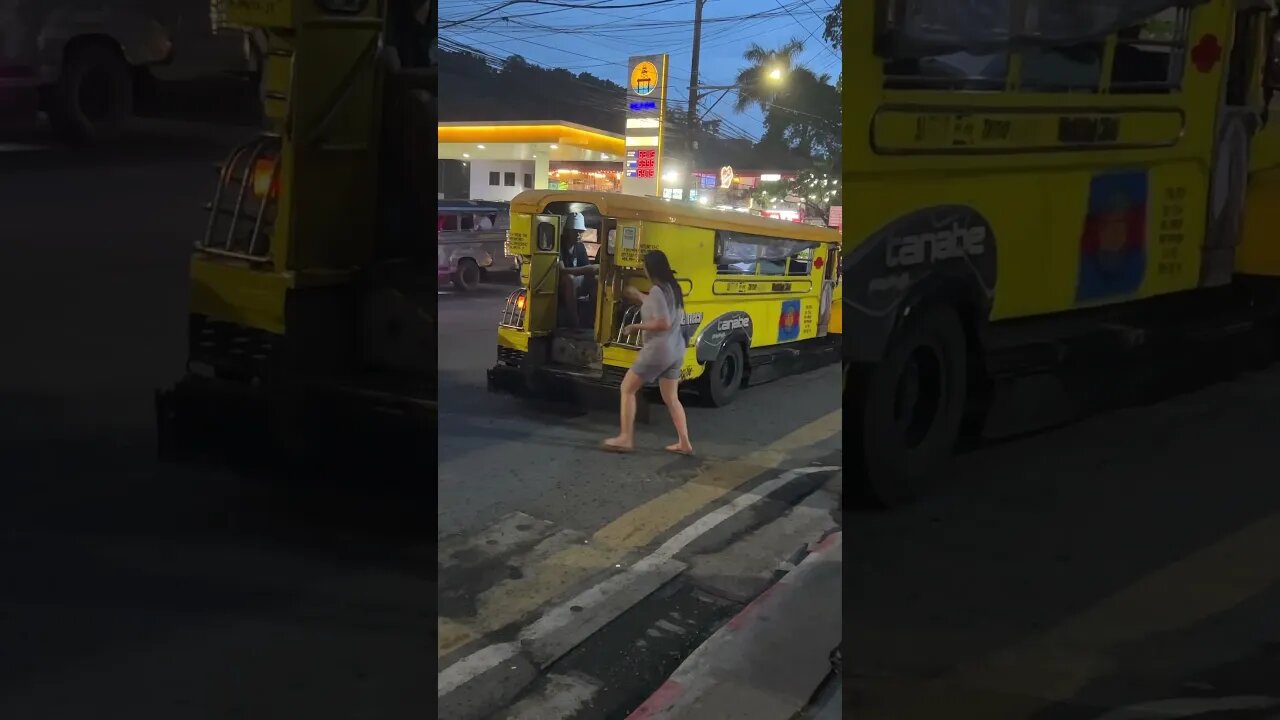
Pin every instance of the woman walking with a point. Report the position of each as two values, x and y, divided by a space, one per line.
660 357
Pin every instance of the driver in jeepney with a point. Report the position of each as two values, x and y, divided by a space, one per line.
577 272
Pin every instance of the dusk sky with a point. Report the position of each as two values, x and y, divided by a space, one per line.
599 40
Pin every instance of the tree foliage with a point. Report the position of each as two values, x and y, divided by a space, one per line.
834 30
802 113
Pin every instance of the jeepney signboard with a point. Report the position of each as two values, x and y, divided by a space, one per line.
264 13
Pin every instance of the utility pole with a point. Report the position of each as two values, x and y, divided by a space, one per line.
692 140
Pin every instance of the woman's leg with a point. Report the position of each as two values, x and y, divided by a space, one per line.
631 385
671 396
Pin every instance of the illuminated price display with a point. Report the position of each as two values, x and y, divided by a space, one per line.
646 163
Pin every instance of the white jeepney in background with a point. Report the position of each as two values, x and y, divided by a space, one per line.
81 60
471 241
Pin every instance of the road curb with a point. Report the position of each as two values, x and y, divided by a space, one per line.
698 687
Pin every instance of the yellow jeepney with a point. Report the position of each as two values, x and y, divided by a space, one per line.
762 296
1020 175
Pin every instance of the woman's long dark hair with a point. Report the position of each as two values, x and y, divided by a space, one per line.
660 272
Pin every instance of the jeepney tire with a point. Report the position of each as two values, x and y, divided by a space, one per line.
723 378
902 459
93 67
467 277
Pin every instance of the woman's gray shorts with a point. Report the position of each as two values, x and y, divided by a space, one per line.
651 371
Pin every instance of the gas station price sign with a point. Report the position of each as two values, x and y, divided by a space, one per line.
646 162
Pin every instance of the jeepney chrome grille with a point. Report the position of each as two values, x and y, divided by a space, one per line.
241 222
630 316
514 311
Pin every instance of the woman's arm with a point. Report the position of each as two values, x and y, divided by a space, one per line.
660 323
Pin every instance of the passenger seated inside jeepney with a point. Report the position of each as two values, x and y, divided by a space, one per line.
577 272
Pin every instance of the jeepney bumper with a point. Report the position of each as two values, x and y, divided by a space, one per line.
288 424
549 384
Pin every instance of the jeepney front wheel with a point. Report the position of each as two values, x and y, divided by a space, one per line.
912 406
467 277
93 98
722 379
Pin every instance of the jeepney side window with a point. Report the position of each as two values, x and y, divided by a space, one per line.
467 221
905 69
733 256
742 254
446 222
1067 68
546 237
801 263
1149 58
953 71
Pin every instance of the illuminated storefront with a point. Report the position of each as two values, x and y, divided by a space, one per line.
585 177
497 160
730 188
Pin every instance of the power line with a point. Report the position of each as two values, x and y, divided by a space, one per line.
561 5
607 102
806 29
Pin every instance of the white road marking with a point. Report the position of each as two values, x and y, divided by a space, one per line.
563 614
477 663
1186 707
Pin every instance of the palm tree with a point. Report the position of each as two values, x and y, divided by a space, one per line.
754 86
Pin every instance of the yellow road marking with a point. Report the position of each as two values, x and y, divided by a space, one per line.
451 633
511 600
1056 665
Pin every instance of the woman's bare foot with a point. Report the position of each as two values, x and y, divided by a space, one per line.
684 449
618 444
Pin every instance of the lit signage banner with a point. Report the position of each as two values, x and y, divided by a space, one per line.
646 121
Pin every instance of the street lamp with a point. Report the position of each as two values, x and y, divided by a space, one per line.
775 75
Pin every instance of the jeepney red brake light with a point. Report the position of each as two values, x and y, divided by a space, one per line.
264 178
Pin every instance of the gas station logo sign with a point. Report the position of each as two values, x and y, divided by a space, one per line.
646 121
644 78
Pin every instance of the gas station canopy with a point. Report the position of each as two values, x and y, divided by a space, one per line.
554 140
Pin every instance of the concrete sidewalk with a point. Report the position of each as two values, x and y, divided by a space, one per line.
767 661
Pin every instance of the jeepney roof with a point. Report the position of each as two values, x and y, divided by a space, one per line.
634 207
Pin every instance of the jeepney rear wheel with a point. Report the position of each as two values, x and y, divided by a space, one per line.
93 98
467 277
913 405
723 377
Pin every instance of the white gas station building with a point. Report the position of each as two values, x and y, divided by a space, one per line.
505 158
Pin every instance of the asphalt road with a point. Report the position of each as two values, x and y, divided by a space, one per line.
134 589
531 512
1129 558
499 454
